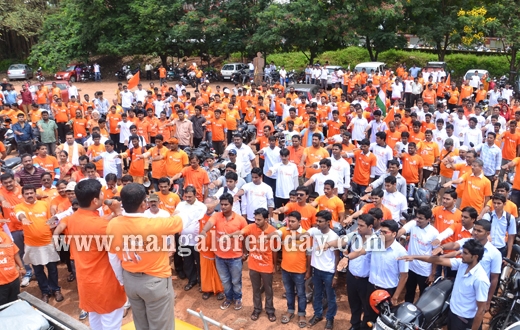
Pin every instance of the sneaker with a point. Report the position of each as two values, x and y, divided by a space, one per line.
25 281
127 304
225 304
83 315
238 304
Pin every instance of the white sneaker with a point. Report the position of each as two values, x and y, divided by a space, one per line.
127 304
25 281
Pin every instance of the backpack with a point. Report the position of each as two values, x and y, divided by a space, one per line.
508 218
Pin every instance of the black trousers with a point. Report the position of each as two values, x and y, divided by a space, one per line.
279 202
191 264
219 147
456 322
413 281
148 74
115 139
196 142
371 315
358 300
257 280
270 182
492 179
62 130
229 136
177 259
9 292
25 147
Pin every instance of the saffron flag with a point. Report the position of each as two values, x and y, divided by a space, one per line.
448 81
134 81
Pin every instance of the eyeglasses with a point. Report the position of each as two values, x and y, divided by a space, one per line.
300 194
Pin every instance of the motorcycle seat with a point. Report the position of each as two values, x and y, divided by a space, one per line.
12 162
433 299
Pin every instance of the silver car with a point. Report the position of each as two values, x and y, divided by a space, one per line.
19 71
230 68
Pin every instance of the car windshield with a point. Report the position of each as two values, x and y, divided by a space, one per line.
70 68
228 67
470 74
17 67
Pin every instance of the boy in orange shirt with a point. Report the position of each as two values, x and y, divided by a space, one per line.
218 129
113 119
79 126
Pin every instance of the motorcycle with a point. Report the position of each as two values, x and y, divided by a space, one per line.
428 313
248 132
242 76
510 300
87 73
291 78
10 165
189 79
10 142
122 74
39 75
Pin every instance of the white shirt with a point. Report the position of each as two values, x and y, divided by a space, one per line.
220 192
421 116
441 115
460 127
140 95
383 155
408 86
110 162
474 81
323 260
507 94
420 244
256 196
358 128
439 137
272 156
376 127
244 155
126 99
341 168
282 73
96 68
73 91
319 181
90 141
499 228
124 131
491 260
324 73
286 178
190 214
385 269
397 89
456 141
481 121
159 107
396 203
161 214
468 289
493 97
472 136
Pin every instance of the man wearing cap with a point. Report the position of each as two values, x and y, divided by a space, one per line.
154 211
184 130
176 159
245 156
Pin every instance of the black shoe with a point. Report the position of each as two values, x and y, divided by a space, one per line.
181 275
314 320
329 324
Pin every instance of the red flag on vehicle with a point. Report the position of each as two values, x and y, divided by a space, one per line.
134 80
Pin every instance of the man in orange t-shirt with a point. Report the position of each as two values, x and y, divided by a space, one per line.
158 156
412 165
100 292
261 263
307 211
312 155
12 268
228 260
195 176
168 200
79 127
176 159
45 161
330 202
218 129
146 271
365 160
113 119
136 169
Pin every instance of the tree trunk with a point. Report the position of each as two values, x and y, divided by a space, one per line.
512 67
164 60
313 56
369 48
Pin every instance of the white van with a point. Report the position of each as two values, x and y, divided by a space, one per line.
369 66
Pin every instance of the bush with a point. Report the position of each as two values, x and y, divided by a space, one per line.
6 63
497 65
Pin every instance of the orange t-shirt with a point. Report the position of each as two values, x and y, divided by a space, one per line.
109 193
164 130
197 178
411 166
35 115
429 152
13 197
143 128
387 214
175 162
364 164
49 163
392 139
162 73
48 194
260 255
511 142
169 202
56 201
334 205
114 119
294 256
61 113
41 97
429 96
137 166
444 218
416 137
152 122
73 106
465 91
295 156
98 288
218 127
209 119
314 155
79 126
9 270
444 171
226 227
308 213
158 166
232 116
463 168
153 263
474 191
93 151
38 233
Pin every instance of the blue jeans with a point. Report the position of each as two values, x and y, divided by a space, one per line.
47 284
290 281
209 136
18 241
98 76
279 119
323 282
230 273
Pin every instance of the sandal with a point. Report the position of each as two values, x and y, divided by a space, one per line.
302 323
286 318
255 316
221 296
206 295
272 317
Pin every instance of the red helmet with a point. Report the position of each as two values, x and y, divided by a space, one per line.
378 297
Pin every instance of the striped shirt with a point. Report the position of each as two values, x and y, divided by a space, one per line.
492 158
26 178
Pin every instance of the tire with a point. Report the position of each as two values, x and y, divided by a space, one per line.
497 322
73 79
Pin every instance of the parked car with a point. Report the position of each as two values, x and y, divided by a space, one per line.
308 90
330 69
68 73
437 65
19 71
369 66
63 85
229 69
471 72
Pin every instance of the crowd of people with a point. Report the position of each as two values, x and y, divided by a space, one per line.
131 169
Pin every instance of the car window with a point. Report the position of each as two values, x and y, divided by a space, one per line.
62 86
17 67
70 68
228 67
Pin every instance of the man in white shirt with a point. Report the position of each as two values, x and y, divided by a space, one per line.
397 90
474 81
494 94
383 154
422 234
73 90
460 124
254 195
127 98
286 174
358 125
450 134
245 156
507 93
323 77
393 199
230 187
271 155
473 134
319 178
340 167
439 133
111 160
283 75
376 125
154 211
191 211
124 131
140 94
